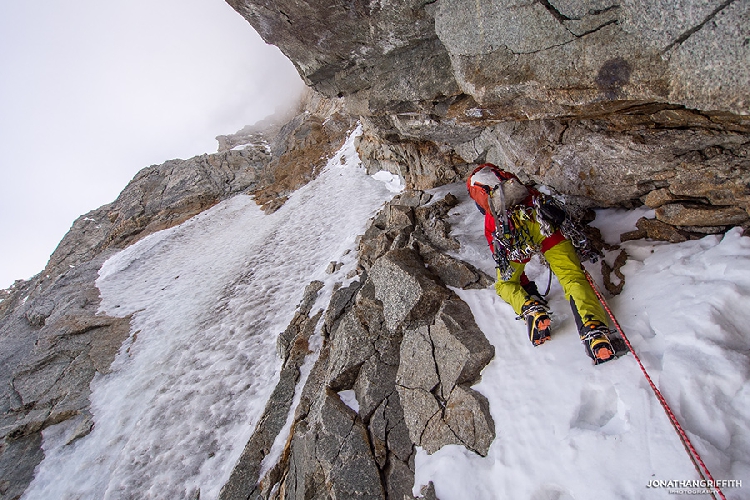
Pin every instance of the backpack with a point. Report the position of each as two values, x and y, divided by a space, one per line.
480 183
493 188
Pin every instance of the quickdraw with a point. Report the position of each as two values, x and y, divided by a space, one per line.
570 228
573 231
512 241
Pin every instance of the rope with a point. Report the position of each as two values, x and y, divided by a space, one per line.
700 466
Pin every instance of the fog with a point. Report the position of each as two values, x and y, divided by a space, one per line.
92 92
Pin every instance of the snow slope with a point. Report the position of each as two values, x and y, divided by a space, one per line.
569 430
209 297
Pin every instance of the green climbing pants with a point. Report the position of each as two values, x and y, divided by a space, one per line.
564 263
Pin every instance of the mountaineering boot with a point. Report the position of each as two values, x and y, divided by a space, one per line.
537 319
594 336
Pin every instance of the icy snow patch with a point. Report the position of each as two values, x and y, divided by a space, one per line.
208 299
349 398
393 182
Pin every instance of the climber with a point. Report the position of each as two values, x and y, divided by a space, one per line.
518 222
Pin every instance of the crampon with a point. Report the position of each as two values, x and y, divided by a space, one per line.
595 338
537 318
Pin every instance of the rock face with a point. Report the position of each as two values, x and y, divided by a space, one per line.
53 343
301 148
293 347
532 59
408 348
53 340
604 102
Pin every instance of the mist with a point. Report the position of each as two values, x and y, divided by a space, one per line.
92 92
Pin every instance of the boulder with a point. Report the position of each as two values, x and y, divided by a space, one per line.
437 433
350 347
461 350
434 360
417 368
331 455
454 272
467 414
420 407
375 382
408 291
655 230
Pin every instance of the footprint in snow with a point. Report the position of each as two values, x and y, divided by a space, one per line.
551 493
601 409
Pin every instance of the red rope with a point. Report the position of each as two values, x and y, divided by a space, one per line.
695 457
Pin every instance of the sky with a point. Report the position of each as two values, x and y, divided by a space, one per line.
91 92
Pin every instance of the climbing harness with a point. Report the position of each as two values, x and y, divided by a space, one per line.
512 241
700 466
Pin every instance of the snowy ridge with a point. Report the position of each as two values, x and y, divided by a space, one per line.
569 430
208 299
